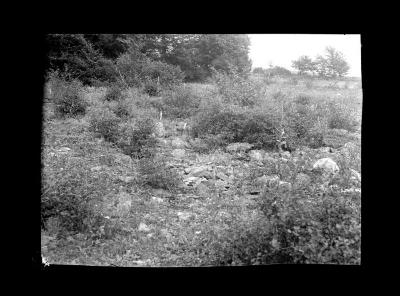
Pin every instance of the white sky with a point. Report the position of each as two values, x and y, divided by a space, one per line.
282 49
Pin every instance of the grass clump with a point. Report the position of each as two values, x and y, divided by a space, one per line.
155 173
341 117
68 100
137 141
114 93
104 122
326 229
180 102
66 199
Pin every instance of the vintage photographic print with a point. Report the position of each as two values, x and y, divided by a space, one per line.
192 150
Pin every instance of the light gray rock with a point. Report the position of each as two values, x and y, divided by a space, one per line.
222 176
96 168
178 153
126 179
143 227
159 129
184 215
64 150
270 181
193 181
179 143
157 199
238 147
256 155
286 154
202 171
327 165
355 176
284 186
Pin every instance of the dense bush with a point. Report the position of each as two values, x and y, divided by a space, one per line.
67 199
313 227
151 88
223 125
341 118
114 93
137 69
236 89
138 141
104 122
180 102
68 99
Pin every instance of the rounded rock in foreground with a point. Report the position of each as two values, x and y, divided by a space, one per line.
327 165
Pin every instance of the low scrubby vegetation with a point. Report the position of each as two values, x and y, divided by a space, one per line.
107 173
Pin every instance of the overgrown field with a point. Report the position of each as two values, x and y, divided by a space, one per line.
226 176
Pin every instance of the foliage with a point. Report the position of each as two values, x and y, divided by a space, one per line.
138 141
180 102
67 98
114 93
304 65
333 64
151 88
104 122
340 117
325 229
68 199
236 89
220 126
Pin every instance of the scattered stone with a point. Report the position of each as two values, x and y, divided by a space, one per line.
285 154
256 155
178 153
179 143
284 186
126 179
124 204
184 215
238 147
64 150
268 158
202 171
326 150
96 168
193 181
355 176
270 181
327 165
143 227
222 176
159 129
157 199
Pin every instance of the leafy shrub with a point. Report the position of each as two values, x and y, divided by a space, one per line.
313 227
68 99
238 90
122 109
104 122
154 172
69 200
136 68
114 93
233 124
151 88
180 102
137 141
341 118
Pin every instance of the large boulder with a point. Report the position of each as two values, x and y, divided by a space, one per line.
327 165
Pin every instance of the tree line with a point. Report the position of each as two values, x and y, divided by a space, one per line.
134 57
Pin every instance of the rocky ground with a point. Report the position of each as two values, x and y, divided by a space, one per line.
217 194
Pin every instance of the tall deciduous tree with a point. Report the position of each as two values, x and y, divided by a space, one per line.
304 65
